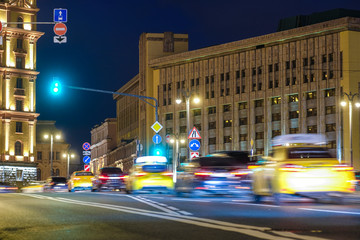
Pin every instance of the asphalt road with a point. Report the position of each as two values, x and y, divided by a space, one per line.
115 215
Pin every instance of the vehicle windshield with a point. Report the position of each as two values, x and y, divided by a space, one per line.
111 170
59 179
308 152
84 174
154 168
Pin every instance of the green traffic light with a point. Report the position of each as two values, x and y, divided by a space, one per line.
56 87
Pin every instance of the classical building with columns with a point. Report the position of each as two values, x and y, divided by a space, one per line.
290 81
18 96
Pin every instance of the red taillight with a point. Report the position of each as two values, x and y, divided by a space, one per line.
291 168
103 177
167 174
342 168
203 173
239 173
140 174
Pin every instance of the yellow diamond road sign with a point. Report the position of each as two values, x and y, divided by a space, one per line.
156 127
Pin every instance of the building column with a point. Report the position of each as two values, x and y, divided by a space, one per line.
7 92
7 137
31 140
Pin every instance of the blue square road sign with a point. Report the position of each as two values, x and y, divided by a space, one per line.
60 15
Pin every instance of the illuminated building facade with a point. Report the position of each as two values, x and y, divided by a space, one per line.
17 96
252 90
103 140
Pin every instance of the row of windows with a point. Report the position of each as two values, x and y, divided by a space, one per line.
55 155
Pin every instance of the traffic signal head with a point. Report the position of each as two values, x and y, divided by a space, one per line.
55 87
158 151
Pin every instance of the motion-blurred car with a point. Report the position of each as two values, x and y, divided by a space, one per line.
34 187
55 184
150 173
300 165
219 173
357 177
110 178
7 188
80 180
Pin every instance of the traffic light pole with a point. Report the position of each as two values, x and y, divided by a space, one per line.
142 98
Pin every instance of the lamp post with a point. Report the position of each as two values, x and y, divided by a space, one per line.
68 155
187 95
46 136
350 96
175 139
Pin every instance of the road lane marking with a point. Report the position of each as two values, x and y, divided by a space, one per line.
330 211
259 232
253 204
153 205
189 200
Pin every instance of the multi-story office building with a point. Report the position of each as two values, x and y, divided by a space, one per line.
17 96
60 151
252 90
103 141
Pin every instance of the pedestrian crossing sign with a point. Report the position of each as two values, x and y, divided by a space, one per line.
194 134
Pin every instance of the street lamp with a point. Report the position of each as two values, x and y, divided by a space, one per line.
187 95
46 136
176 139
350 98
68 155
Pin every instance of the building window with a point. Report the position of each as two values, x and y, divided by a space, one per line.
242 105
294 81
275 100
259 103
331 74
19 105
243 121
18 148
276 83
305 62
293 114
276 66
253 72
276 117
19 83
227 123
310 95
293 98
243 137
19 127
38 174
169 101
330 92
259 70
270 68
259 135
207 80
207 95
57 172
323 58
243 73
182 114
227 92
221 77
259 86
57 155
221 92
306 78
227 108
312 77
312 129
294 130
293 64
287 64
311 112
192 82
287 81
270 84
227 139
39 155
312 61
19 62
178 85
197 82
276 133
227 76
331 57
330 127
19 43
259 119
164 103
330 110
169 116
237 74
169 131
212 141
212 125
237 90
212 94
197 112
20 20
212 78
324 75
182 129
211 110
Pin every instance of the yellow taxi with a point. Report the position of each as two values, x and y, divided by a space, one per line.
300 165
150 173
80 180
34 187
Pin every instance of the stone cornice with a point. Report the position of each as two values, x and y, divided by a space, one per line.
9 114
8 70
8 7
18 32
337 25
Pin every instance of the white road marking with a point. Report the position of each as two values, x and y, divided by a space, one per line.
188 200
253 204
293 235
330 211
153 205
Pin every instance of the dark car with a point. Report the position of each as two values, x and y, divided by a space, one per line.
7 188
56 184
219 173
109 178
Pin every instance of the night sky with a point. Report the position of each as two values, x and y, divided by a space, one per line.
102 46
